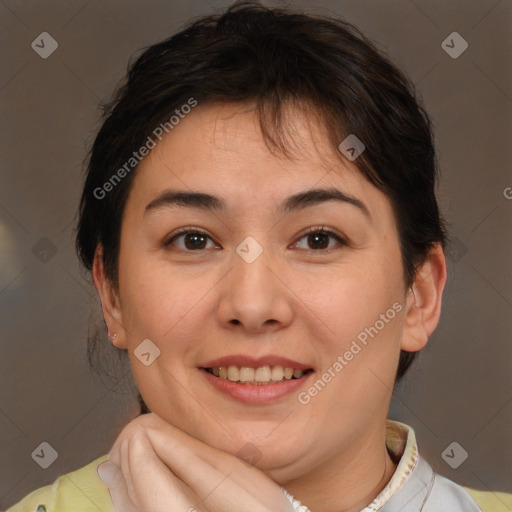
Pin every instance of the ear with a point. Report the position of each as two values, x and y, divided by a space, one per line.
423 303
110 303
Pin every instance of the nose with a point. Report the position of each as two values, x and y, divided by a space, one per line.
254 295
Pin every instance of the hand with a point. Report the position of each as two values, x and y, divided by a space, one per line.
156 467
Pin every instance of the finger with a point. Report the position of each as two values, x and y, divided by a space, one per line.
216 476
220 480
142 483
151 484
113 478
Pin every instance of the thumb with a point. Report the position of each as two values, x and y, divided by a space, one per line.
113 478
109 474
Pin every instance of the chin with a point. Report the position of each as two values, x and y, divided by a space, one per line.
265 453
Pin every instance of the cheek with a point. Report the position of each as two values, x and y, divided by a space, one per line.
357 313
349 299
163 304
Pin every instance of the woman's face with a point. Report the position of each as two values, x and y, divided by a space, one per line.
255 285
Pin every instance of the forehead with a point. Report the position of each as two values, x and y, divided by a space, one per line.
229 132
220 149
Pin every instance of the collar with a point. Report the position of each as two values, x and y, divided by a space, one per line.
402 447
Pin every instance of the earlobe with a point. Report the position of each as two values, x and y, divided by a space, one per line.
423 302
109 299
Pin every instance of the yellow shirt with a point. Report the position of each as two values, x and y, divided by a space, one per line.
79 491
83 491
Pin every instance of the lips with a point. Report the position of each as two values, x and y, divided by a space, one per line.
254 384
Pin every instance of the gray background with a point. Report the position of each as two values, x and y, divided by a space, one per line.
459 390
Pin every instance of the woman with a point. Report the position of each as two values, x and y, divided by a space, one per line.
260 221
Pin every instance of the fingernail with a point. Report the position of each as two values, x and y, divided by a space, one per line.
106 472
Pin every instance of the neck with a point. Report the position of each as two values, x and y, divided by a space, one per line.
347 482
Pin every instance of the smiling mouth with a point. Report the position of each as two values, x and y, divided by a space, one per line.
262 376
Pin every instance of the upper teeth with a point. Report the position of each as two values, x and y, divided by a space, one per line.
261 375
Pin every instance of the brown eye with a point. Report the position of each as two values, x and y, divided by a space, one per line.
319 239
191 241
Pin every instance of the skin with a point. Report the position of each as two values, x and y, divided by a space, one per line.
294 300
156 467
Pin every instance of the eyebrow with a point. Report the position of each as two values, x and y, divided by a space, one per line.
296 202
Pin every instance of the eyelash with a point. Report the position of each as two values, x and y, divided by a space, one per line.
310 231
